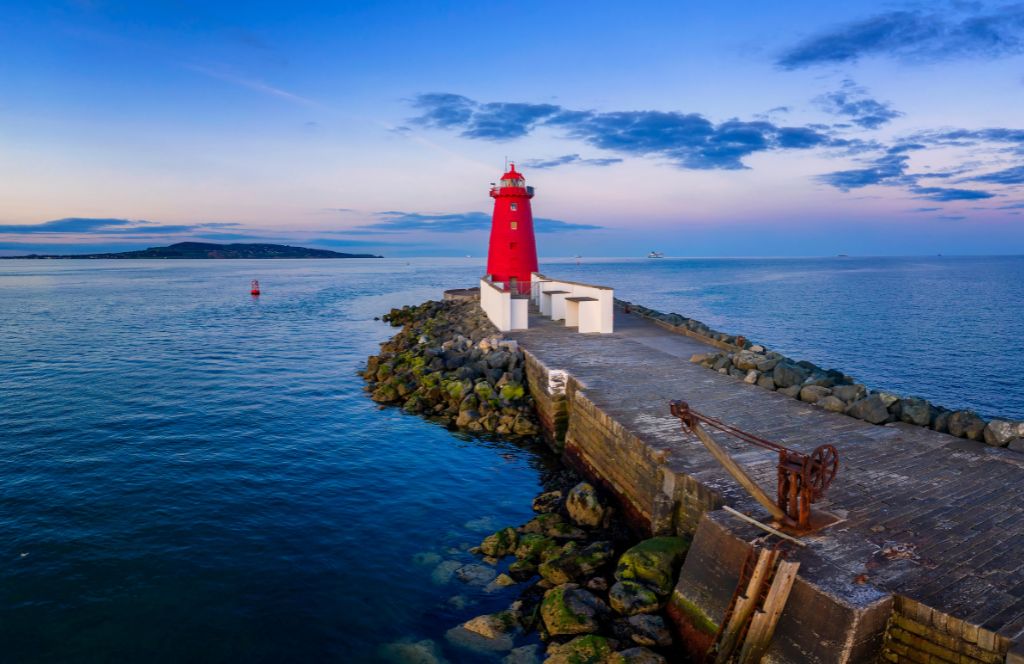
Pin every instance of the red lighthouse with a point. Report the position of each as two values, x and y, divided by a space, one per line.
512 255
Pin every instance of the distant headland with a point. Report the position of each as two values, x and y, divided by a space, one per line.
211 250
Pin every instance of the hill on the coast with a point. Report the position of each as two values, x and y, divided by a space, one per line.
211 250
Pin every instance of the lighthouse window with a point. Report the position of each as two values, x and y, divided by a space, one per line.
511 245
514 225
513 206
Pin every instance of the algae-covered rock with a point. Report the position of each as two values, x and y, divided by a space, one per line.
574 562
630 598
638 655
568 609
522 569
475 575
500 628
649 630
583 505
532 545
500 543
522 655
412 652
653 562
589 649
547 502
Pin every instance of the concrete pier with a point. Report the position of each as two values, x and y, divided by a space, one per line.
925 565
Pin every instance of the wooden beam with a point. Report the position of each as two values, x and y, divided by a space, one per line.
763 526
745 605
734 469
762 625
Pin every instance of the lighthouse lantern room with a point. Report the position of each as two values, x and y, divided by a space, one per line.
512 254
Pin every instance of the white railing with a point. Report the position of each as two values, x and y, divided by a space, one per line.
505 311
587 307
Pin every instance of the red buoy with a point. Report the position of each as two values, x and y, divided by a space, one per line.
255 287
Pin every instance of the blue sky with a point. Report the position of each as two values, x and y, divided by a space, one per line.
792 128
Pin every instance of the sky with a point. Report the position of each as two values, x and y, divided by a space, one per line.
692 128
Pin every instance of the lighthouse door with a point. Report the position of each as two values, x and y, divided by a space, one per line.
513 284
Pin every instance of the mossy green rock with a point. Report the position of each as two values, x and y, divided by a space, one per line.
574 563
512 392
522 569
532 545
568 609
653 562
589 649
500 543
630 598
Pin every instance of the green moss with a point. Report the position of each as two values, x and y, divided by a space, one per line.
512 392
697 618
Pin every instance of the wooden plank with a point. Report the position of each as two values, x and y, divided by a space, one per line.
745 605
762 625
763 526
752 487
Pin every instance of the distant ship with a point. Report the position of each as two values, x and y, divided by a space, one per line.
655 254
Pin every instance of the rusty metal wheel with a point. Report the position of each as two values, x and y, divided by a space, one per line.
820 469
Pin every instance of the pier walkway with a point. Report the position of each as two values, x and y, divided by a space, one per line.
930 523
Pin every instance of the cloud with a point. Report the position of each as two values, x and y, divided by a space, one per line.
1014 175
568 159
394 221
852 101
891 170
68 225
1012 206
947 194
253 84
914 35
926 209
688 140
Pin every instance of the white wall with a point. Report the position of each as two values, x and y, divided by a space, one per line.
592 319
507 313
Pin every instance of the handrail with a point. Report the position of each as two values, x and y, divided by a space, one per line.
574 283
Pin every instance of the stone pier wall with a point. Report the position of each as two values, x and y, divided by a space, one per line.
917 633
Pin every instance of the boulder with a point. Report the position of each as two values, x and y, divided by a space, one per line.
940 420
999 433
500 629
630 598
766 364
791 391
887 398
746 360
915 411
786 374
532 545
638 655
653 562
522 655
574 562
849 393
751 377
870 409
831 403
568 609
547 502
812 393
766 381
589 649
475 575
500 543
966 424
583 505
412 652
444 572
649 630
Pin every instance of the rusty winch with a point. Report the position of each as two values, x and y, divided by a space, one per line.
802 478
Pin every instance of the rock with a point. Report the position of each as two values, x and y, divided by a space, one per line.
870 409
788 375
966 424
523 655
568 609
500 543
812 393
791 391
940 420
832 403
849 393
598 584
574 562
751 377
653 562
649 630
915 411
630 598
427 558
999 433
522 569
583 505
589 649
887 398
412 652
532 545
444 572
496 626
501 581
746 360
475 575
757 348
767 382
637 655
700 358
547 502
767 364
1017 445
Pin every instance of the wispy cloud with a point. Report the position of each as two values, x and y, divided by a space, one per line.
394 221
852 101
253 84
891 170
688 140
569 159
122 227
1007 176
914 35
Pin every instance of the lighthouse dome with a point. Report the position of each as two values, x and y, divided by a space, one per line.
513 178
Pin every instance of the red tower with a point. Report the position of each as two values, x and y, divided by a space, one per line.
512 254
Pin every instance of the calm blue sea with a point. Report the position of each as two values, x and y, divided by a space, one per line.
191 474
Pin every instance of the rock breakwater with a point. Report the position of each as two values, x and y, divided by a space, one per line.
830 389
449 363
